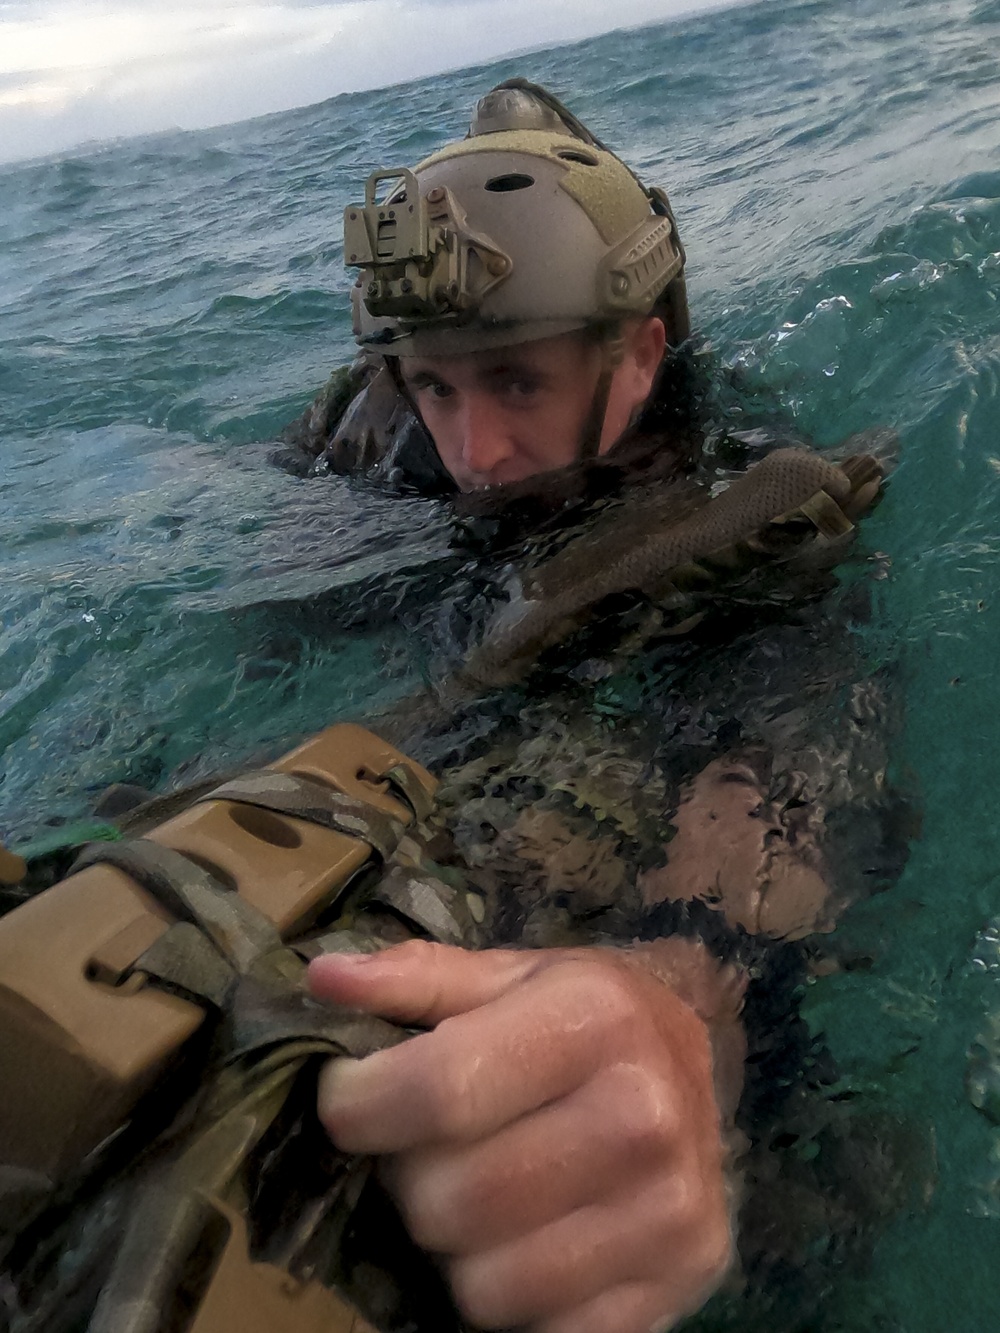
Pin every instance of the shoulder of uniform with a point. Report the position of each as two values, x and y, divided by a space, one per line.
309 433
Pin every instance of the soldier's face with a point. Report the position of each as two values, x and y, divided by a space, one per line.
509 414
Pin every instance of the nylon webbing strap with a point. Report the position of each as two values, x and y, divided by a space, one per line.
227 953
184 960
612 352
826 516
222 951
172 1207
265 1012
613 558
189 893
302 798
405 784
426 903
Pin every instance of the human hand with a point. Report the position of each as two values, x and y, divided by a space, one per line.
556 1135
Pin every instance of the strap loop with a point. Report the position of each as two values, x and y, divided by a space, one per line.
241 934
184 960
408 787
304 798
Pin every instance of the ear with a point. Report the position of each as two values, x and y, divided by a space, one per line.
647 344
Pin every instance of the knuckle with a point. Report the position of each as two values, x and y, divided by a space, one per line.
448 1097
419 954
474 1288
714 1253
699 1230
649 1117
420 949
612 999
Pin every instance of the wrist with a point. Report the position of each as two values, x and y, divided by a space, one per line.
714 991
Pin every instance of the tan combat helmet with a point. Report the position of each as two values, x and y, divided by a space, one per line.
526 229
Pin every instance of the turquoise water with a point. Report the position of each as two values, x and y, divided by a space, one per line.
167 304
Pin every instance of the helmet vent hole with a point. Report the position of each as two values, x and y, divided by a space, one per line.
506 184
578 155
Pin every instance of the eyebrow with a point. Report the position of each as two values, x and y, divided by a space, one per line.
424 376
421 379
515 367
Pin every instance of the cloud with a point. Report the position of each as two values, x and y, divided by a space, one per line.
72 39
72 70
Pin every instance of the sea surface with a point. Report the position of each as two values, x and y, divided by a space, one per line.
168 303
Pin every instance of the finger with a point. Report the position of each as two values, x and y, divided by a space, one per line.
564 1264
617 1129
478 1071
419 982
656 1236
635 1308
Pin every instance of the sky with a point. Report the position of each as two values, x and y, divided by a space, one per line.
72 71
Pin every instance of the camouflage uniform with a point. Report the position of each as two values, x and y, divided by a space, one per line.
728 787
731 785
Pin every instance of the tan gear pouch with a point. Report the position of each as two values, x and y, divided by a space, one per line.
83 1035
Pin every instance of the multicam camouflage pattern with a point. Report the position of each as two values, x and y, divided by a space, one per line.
773 815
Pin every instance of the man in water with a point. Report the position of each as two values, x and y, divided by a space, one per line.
563 1134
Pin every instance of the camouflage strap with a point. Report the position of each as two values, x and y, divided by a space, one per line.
412 793
176 1202
428 904
240 1161
227 954
183 960
214 926
424 903
188 892
304 798
173 1205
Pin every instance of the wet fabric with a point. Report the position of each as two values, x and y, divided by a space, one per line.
734 790
359 425
730 786
733 784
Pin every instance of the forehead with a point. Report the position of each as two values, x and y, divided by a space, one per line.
548 355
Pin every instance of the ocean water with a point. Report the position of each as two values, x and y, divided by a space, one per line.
167 304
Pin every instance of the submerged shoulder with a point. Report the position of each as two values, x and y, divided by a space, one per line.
360 425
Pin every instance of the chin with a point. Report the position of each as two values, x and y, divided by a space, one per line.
502 477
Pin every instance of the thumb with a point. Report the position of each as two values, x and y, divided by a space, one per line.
419 983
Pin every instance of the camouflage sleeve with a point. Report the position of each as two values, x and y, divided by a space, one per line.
307 436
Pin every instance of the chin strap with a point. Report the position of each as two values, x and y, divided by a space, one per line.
612 354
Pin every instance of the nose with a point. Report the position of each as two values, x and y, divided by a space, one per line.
486 442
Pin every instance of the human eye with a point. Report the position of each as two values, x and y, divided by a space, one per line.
429 386
520 387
